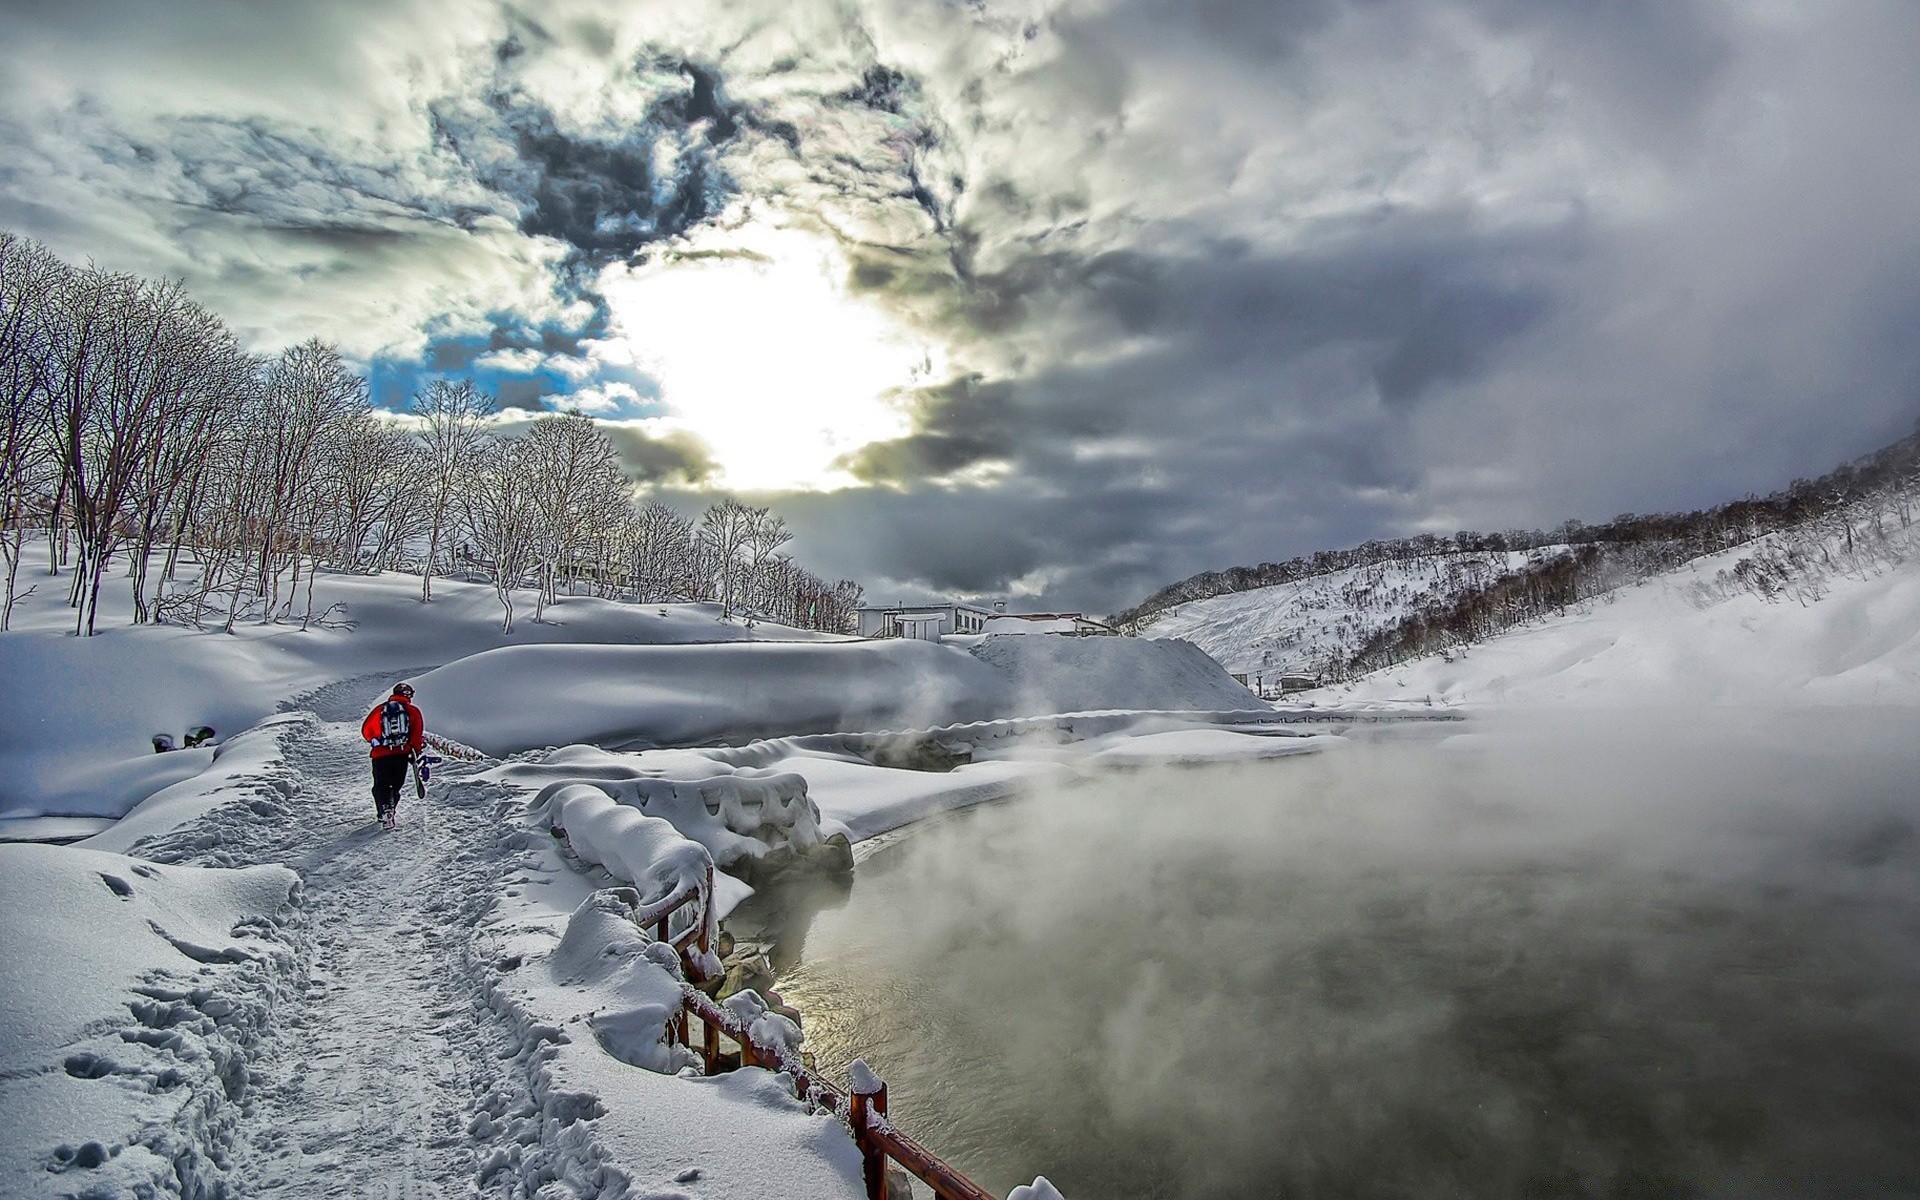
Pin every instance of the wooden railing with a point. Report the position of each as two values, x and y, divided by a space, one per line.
863 1106
446 747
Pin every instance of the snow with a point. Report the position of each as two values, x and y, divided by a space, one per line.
1017 625
644 696
133 1002
1089 674
466 1003
1682 639
74 740
589 996
1298 627
1206 746
457 1007
865 800
250 768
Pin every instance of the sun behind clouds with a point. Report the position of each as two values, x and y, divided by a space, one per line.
762 353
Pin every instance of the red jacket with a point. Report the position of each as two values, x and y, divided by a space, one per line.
416 730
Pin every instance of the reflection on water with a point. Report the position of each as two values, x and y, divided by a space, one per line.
1541 961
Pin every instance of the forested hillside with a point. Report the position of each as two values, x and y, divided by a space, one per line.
1340 614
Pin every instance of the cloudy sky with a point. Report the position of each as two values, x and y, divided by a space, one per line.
1054 300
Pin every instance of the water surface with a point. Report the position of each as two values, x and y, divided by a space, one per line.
1641 956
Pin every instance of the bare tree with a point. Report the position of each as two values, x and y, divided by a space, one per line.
499 512
358 470
453 433
134 424
109 407
765 535
579 486
310 394
28 274
724 532
661 551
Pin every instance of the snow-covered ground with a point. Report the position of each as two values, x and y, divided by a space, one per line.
1849 637
242 987
461 1007
76 720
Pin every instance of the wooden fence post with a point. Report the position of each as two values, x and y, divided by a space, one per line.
869 1097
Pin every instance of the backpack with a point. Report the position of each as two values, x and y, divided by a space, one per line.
394 726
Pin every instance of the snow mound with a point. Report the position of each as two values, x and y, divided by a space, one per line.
639 697
1095 674
736 813
132 998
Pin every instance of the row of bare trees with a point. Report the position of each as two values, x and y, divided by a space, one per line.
138 433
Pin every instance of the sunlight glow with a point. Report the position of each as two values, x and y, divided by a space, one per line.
761 352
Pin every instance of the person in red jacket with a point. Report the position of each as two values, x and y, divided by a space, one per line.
396 733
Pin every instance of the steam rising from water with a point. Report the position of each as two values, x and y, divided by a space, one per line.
1652 957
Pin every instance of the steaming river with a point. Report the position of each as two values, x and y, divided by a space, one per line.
1651 957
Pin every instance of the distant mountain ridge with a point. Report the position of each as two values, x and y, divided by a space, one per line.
1344 613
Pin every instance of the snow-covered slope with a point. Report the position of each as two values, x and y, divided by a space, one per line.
1053 674
1688 637
1299 627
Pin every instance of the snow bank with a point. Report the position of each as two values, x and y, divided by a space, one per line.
251 770
635 697
590 997
132 998
1089 674
1674 641
1190 746
647 852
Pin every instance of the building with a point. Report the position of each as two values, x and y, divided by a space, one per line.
929 622
1270 685
1072 624
926 622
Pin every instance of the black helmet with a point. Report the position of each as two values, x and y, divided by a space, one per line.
403 689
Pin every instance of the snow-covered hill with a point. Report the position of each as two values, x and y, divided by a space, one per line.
1301 627
1841 625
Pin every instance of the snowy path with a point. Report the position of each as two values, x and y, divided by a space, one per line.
388 1051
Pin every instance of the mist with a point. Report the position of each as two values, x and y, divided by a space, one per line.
1660 954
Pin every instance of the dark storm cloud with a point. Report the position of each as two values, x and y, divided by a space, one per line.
606 192
673 460
1217 280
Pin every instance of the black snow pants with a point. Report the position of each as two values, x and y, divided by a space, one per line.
389 776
